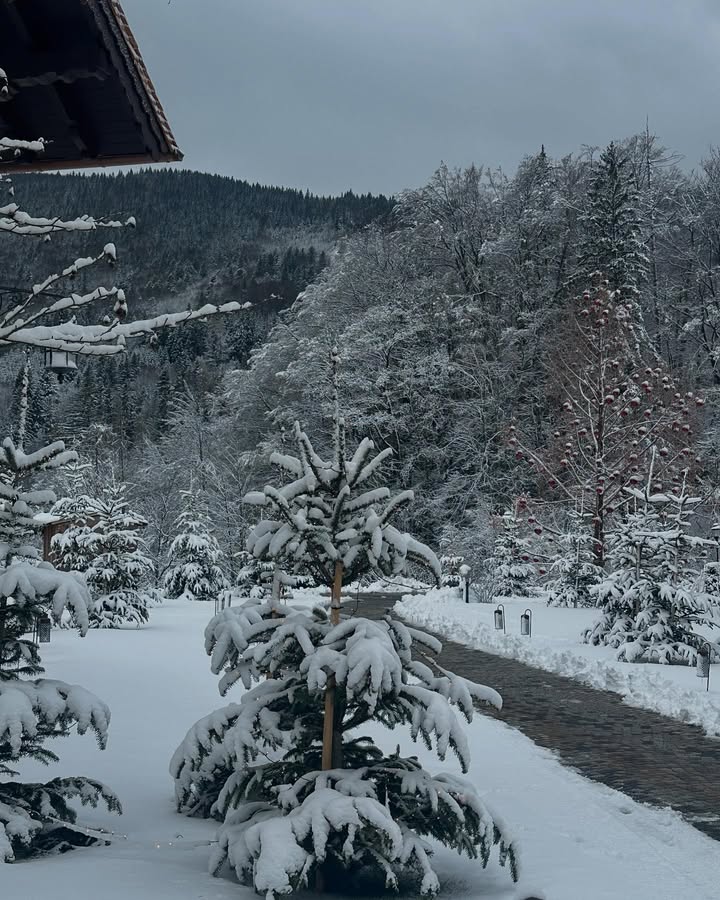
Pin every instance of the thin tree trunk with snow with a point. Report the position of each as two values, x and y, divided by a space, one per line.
332 729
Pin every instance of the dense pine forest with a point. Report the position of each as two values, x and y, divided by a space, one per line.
196 239
452 308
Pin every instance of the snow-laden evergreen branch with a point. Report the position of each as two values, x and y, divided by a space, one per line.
255 765
36 818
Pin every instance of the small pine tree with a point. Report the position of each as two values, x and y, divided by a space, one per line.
573 572
193 571
513 572
653 599
290 808
451 566
70 548
119 566
37 817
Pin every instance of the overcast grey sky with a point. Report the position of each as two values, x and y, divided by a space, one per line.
371 95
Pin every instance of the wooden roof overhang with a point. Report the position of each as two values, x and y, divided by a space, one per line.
76 79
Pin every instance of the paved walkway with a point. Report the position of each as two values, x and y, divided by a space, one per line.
650 758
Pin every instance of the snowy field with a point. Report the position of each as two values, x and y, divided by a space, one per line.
555 646
578 840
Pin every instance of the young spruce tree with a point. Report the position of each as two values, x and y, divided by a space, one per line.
118 565
512 571
300 791
193 570
38 817
654 599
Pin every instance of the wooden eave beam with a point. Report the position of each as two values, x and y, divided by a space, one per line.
27 69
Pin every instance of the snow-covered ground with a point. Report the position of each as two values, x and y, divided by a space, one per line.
578 840
555 646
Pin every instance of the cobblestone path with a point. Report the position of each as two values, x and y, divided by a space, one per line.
650 758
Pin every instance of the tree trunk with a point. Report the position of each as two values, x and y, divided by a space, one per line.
332 726
3 617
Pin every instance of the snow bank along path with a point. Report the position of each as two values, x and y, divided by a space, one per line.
652 758
579 840
672 691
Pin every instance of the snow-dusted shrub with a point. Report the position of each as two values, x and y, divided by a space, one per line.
254 578
450 566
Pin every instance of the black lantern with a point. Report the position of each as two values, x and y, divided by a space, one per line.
526 623
43 629
61 362
500 618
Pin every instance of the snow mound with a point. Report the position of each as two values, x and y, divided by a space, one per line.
454 620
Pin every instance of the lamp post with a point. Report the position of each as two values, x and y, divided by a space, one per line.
526 623
61 362
464 571
703 663
499 617
43 626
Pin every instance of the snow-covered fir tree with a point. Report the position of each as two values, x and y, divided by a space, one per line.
512 570
300 793
450 566
38 817
119 567
613 243
193 571
70 548
653 600
573 571
254 578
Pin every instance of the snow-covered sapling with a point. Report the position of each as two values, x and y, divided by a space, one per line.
119 567
512 571
573 571
193 571
257 765
299 789
653 600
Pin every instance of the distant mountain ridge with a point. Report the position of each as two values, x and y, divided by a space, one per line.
191 227
199 239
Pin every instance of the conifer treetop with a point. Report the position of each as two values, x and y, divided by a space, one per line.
323 515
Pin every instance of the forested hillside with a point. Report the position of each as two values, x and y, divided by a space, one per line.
196 239
454 314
